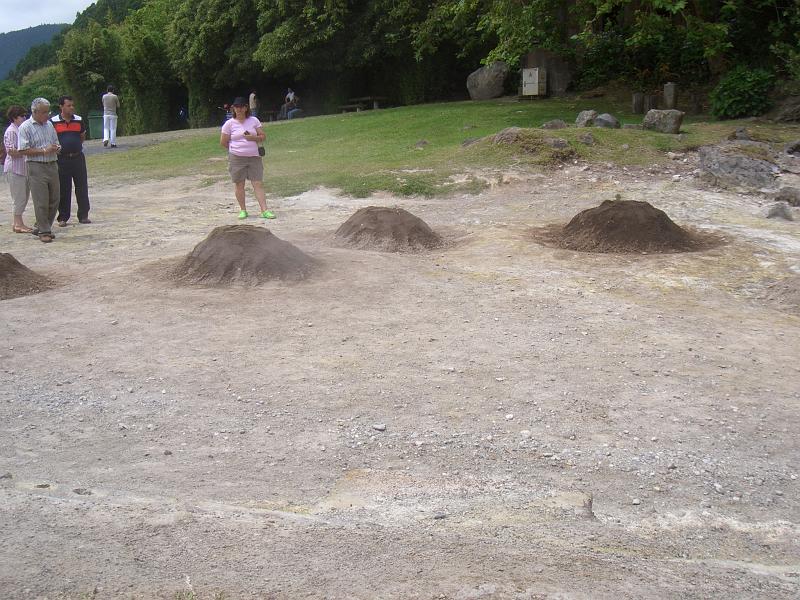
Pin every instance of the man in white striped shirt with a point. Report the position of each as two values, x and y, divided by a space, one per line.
38 142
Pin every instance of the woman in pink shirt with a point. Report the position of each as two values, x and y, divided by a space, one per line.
241 136
15 169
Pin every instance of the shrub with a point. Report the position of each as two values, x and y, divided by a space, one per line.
742 93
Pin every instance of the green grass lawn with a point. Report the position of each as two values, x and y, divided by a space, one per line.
377 150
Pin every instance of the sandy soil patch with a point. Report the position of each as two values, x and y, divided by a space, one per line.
494 419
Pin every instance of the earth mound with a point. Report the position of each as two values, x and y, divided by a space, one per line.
625 226
785 293
387 229
243 254
18 280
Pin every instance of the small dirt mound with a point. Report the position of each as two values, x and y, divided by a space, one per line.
388 230
785 293
18 280
624 226
243 254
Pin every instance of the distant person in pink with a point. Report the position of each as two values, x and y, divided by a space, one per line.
241 136
15 169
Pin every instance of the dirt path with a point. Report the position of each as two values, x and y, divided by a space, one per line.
494 420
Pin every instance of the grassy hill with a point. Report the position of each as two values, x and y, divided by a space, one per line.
420 149
15 44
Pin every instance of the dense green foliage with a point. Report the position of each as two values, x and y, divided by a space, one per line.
15 44
741 93
200 53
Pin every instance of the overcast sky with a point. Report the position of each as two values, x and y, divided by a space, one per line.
20 14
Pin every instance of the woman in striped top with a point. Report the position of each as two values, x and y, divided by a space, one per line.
15 170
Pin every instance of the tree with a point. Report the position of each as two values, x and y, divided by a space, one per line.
149 80
91 59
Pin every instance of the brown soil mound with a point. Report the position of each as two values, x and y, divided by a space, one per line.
785 293
18 280
243 254
625 226
387 229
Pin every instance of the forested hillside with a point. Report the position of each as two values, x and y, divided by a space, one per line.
164 54
14 45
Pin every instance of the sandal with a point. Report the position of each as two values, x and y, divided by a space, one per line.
267 215
46 237
242 214
21 229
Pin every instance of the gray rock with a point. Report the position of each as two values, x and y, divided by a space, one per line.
793 148
728 165
557 143
790 195
555 124
487 82
587 138
586 118
606 120
379 426
509 135
789 110
663 121
779 210
421 144
741 133
469 142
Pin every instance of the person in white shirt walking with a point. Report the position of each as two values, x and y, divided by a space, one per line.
110 107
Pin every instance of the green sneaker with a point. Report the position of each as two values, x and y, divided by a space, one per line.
242 214
267 215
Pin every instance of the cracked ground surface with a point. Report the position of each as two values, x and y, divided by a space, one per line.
497 419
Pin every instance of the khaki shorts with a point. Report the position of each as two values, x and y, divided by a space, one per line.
245 167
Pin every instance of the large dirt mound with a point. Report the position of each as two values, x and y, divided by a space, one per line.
625 226
18 280
243 254
387 229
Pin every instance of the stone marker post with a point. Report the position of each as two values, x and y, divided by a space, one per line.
670 95
637 107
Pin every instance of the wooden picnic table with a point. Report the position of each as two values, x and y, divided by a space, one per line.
373 99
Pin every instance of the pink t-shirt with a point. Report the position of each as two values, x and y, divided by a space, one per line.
240 146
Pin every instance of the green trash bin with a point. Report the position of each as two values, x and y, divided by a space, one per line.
95 125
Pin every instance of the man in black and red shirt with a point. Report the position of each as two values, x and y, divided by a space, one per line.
71 132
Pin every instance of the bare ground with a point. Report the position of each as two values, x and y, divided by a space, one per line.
498 419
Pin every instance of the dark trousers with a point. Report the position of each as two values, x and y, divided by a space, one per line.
69 170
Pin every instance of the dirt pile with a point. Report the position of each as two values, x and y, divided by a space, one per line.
243 254
18 280
624 226
388 230
785 293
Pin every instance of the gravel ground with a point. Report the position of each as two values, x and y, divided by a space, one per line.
498 419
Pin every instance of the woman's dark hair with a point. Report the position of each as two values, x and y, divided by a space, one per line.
15 111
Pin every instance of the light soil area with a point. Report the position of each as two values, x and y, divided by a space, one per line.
497 419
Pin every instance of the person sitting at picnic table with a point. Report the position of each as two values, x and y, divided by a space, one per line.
293 109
